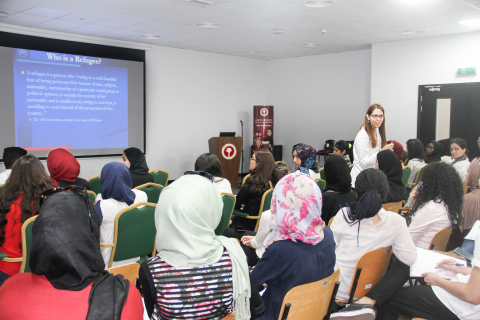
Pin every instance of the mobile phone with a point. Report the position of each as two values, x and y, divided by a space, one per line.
463 253
239 228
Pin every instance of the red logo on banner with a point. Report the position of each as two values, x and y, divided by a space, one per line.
264 112
229 151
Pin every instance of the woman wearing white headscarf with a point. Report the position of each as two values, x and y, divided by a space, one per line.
196 274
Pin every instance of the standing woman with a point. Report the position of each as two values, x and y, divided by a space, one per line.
459 150
304 157
135 160
18 202
369 141
250 195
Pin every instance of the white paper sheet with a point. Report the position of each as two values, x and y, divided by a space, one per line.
472 235
426 262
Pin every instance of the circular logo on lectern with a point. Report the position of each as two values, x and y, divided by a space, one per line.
264 112
229 151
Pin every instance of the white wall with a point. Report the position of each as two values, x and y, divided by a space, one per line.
317 98
398 68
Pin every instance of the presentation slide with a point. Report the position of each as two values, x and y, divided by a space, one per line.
88 105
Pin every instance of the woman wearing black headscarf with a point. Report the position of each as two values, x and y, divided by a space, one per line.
135 160
338 193
389 164
434 151
68 280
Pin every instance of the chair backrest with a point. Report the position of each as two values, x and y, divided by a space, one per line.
393 206
331 221
406 174
245 178
95 184
465 188
323 176
281 164
228 205
373 265
2 186
440 239
92 196
128 271
134 233
311 301
159 176
321 184
264 205
350 167
26 233
152 190
418 178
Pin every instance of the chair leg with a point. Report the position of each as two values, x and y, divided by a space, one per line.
354 286
332 306
285 311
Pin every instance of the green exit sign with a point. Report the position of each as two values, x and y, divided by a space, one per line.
471 70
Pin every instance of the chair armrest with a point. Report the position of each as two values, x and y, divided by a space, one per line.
4 257
253 217
410 183
240 213
107 245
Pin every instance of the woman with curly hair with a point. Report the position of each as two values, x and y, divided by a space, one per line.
437 205
249 196
304 158
18 202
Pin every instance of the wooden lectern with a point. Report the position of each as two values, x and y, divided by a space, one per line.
229 151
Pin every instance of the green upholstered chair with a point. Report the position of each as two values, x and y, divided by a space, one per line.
228 205
92 196
406 174
264 206
95 184
280 164
152 190
418 178
160 176
26 234
134 233
321 184
350 167
245 179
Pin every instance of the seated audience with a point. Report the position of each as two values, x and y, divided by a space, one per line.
389 164
434 151
458 298
18 202
208 273
459 150
416 160
300 249
397 149
116 194
365 226
135 160
64 169
304 157
338 193
10 155
342 148
68 280
249 197
208 162
252 242
446 156
437 205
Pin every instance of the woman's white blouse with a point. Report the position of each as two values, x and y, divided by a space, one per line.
462 168
364 156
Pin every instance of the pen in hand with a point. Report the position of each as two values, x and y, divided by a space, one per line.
455 264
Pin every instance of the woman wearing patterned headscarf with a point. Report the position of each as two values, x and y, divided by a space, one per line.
304 157
68 280
300 248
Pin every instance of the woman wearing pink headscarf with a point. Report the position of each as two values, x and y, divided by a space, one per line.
300 247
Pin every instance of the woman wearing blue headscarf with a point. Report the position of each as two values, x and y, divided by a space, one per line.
116 194
304 157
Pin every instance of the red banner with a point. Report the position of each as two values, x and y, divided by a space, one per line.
262 126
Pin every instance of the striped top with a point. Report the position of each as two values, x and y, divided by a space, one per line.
204 292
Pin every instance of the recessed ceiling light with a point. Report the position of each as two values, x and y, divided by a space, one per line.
471 23
81 18
252 52
200 2
3 13
208 25
149 36
323 31
278 31
310 44
407 32
319 4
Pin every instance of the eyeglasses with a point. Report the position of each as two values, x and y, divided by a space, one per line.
252 159
200 173
427 147
377 116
